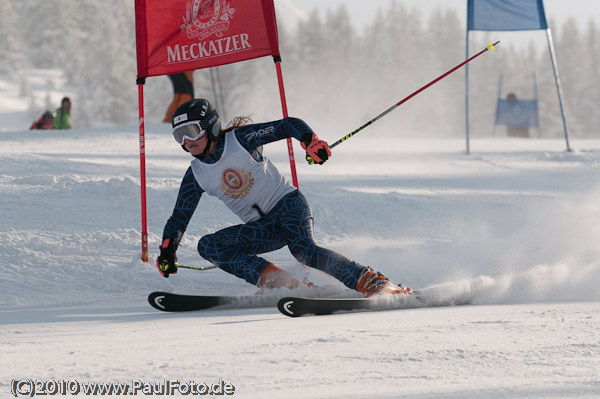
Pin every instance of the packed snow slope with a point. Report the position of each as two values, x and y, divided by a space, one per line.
517 220
515 224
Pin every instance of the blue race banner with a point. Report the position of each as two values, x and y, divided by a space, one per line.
506 15
517 113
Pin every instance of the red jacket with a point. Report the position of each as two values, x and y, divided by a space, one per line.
44 123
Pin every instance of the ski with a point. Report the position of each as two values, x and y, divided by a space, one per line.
297 306
169 302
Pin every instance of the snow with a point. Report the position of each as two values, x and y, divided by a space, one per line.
514 224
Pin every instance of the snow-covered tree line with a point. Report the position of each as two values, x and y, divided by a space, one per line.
336 77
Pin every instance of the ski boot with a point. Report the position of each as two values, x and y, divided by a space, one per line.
272 277
373 283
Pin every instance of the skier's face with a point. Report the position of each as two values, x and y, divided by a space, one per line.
196 147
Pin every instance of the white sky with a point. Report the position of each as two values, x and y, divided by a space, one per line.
363 11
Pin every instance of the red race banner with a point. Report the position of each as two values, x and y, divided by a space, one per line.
174 36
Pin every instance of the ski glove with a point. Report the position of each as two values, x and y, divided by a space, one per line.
166 261
316 150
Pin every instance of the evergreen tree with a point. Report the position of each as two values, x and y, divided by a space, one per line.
548 105
591 90
105 80
334 76
570 51
444 111
12 62
45 32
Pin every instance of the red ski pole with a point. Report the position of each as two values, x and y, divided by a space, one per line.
405 99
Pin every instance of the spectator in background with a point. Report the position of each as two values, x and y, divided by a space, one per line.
62 116
515 130
44 123
183 91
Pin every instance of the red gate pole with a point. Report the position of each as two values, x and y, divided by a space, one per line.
277 60
142 142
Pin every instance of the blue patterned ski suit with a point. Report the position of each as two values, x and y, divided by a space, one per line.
289 223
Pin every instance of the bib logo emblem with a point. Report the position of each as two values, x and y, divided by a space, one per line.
236 183
207 17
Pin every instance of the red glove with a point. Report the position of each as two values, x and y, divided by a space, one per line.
316 150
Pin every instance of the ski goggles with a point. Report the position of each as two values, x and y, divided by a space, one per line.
189 130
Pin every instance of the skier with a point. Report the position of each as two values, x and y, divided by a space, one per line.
228 164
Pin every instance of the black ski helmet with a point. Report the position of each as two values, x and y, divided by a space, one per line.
200 110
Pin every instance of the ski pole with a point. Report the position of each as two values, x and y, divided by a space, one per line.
405 99
209 267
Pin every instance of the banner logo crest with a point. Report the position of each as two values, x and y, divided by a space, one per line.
204 18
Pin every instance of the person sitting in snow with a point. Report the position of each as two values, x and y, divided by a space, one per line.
62 116
229 165
44 123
